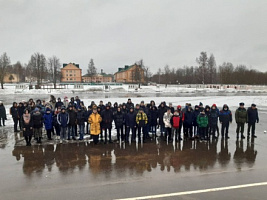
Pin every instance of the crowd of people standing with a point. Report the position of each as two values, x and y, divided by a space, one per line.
71 120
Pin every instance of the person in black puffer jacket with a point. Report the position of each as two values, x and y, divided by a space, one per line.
130 122
225 117
253 117
15 115
241 118
2 113
107 118
72 122
119 121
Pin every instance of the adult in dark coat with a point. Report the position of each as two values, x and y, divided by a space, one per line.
15 115
253 117
196 112
59 103
107 118
130 122
81 119
38 121
213 120
2 113
241 118
27 127
129 104
48 121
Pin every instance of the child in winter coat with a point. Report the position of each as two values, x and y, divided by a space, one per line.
48 121
119 121
38 121
2 113
15 115
27 127
175 122
167 121
94 121
188 123
225 117
81 119
196 112
130 122
202 120
153 120
72 122
63 121
214 115
141 121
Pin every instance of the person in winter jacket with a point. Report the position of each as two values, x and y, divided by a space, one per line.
72 122
240 118
27 127
141 121
207 112
225 117
81 119
176 123
167 121
129 104
38 121
161 110
59 103
15 115
171 107
63 121
94 120
48 121
119 121
181 115
2 113
65 102
203 121
214 115
153 120
196 112
55 122
253 117
130 122
21 109
188 123
107 118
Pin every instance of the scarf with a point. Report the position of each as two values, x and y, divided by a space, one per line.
27 118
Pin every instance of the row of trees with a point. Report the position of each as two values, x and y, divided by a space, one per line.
207 72
38 68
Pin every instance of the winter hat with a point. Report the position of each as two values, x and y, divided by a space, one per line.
65 97
225 106
47 109
207 107
142 102
200 104
252 105
36 109
214 105
241 104
179 107
196 106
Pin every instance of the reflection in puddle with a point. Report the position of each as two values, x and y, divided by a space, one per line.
133 158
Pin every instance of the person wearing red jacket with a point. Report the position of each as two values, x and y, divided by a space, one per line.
176 123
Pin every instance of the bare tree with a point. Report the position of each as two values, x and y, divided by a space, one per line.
211 72
54 69
202 60
4 64
147 73
38 64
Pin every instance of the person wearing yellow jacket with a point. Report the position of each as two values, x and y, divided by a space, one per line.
141 120
94 121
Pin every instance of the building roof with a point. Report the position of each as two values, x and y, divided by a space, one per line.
127 67
76 65
102 74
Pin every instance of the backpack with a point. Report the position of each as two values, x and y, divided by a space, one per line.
176 121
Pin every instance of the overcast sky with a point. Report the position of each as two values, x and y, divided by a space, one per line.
119 32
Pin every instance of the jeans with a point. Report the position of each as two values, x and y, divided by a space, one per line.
225 127
81 128
71 132
63 133
251 126
15 120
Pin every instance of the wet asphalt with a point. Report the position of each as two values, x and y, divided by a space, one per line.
81 170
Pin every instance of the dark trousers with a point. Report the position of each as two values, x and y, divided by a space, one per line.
133 130
48 132
188 131
153 129
141 130
213 130
252 127
169 133
2 120
71 132
225 127
95 138
57 127
196 130
176 133
28 140
240 127
107 134
202 132
15 120
120 133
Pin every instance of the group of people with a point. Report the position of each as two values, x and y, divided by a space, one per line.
70 119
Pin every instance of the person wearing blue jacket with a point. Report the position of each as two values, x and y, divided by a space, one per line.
130 122
196 112
253 117
225 117
188 123
81 119
48 122
63 121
